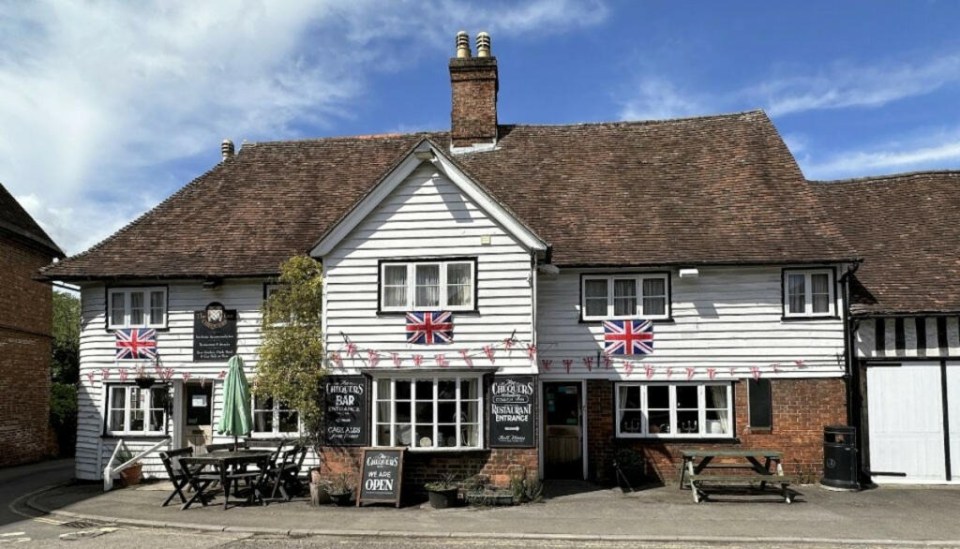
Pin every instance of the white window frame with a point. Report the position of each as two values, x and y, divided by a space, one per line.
808 293
435 379
638 279
128 411
702 431
275 432
147 292
411 285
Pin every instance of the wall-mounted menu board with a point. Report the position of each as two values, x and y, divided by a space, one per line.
346 421
513 409
381 475
214 334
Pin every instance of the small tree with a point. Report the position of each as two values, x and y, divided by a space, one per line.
290 366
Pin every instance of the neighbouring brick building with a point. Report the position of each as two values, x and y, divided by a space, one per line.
25 335
499 299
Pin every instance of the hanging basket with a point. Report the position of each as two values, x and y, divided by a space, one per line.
145 382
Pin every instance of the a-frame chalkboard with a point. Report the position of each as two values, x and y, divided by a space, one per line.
381 476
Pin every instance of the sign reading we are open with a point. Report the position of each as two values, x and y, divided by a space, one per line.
381 474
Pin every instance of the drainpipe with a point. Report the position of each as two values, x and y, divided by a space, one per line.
852 374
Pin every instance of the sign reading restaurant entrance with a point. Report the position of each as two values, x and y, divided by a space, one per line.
381 474
513 404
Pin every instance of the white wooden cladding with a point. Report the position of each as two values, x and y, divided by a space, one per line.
427 216
908 337
728 317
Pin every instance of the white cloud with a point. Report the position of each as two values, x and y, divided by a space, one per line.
940 151
844 85
100 103
654 98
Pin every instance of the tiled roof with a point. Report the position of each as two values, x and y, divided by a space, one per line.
719 189
905 228
17 223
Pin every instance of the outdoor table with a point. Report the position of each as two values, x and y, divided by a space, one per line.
769 470
225 464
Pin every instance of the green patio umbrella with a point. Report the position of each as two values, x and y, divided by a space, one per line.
236 418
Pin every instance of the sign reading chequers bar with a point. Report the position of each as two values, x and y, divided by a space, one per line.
513 404
346 421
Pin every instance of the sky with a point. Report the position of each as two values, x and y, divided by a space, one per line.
108 107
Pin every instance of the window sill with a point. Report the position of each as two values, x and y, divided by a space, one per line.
164 328
404 313
665 320
681 440
273 436
808 318
439 450
114 434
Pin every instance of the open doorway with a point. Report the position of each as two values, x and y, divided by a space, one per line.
563 425
197 414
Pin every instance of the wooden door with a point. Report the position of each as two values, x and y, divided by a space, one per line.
563 423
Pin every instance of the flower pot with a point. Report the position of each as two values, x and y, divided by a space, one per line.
443 499
132 475
320 493
342 499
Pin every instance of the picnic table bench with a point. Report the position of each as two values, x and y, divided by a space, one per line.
755 472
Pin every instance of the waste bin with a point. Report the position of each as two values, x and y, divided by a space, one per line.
840 463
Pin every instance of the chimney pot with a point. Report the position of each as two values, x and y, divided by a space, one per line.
226 149
463 45
483 45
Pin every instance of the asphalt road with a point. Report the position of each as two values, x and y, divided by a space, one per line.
23 527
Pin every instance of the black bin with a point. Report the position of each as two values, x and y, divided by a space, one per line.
840 463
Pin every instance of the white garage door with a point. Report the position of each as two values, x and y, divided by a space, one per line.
905 408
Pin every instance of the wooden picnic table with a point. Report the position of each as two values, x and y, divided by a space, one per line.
755 466
229 468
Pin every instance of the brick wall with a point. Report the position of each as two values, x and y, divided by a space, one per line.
25 346
801 408
497 465
473 115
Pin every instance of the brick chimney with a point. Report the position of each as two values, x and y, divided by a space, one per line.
474 83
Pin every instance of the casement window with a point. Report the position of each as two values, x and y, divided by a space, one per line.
625 296
428 413
428 285
273 418
137 307
679 410
808 293
135 411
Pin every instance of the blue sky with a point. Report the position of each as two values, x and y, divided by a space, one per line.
107 108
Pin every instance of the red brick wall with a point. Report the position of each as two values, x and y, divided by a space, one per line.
25 323
496 465
801 408
473 115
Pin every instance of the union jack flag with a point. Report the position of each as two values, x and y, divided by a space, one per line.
136 343
430 328
628 337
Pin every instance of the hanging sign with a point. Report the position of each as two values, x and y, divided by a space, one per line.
381 474
346 421
214 334
513 405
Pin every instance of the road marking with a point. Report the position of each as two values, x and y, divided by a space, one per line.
11 534
46 520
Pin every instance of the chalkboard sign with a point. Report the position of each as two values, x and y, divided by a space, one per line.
513 408
381 475
214 334
760 404
346 421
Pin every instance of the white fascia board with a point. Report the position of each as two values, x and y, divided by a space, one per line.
493 208
366 206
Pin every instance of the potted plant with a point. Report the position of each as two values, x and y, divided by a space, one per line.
341 490
132 474
443 493
629 468
319 489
